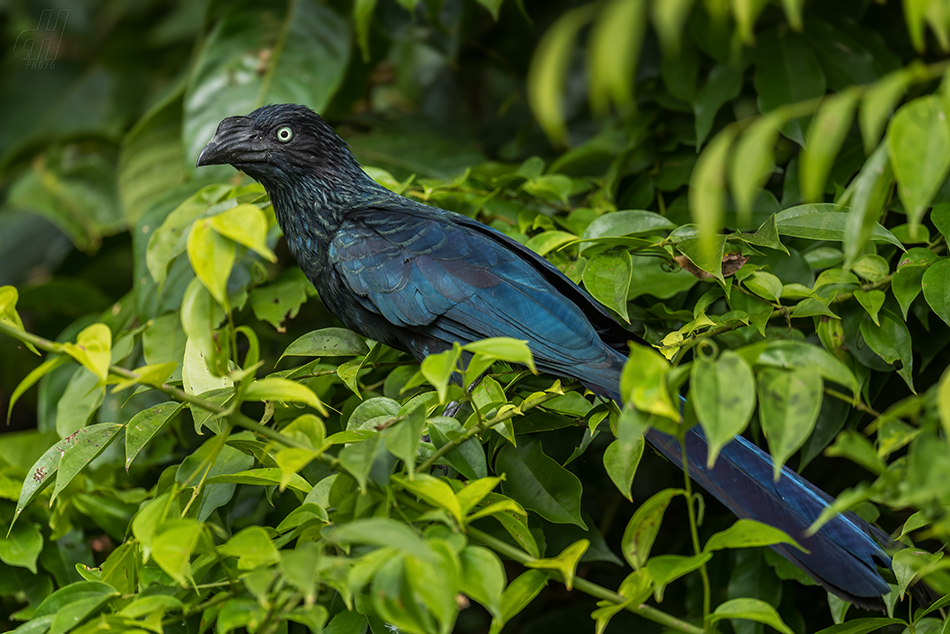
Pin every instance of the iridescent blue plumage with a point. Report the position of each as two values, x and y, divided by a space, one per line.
420 279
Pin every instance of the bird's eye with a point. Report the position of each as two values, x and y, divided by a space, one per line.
285 134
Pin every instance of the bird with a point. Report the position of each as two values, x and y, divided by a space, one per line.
421 279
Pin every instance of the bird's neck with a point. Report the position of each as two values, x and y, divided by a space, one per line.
311 207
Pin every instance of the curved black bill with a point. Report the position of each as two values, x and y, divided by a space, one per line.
234 142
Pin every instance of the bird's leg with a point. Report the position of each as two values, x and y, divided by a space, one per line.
453 407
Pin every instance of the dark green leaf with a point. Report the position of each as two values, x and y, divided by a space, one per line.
919 142
723 393
644 526
789 401
539 483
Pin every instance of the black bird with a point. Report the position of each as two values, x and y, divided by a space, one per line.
419 279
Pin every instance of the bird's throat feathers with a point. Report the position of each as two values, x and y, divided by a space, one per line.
311 205
316 200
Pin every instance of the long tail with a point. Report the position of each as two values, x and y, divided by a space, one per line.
844 556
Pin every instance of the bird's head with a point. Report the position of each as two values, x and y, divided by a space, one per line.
280 143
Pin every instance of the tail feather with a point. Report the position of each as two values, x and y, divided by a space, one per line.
843 556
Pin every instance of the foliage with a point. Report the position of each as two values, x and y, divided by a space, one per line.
758 188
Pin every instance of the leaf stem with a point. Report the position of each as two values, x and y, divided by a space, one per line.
694 533
587 587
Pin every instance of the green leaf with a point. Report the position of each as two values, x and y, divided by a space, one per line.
252 547
380 531
722 86
643 527
825 137
35 375
85 446
246 225
943 400
870 191
539 483
789 401
146 605
328 342
268 476
565 563
517 596
752 163
871 301
857 448
212 258
275 389
483 577
669 19
622 456
935 283
751 610
297 568
174 543
891 341
548 70
230 77
548 241
614 48
403 439
666 568
475 491
358 458
145 424
21 547
152 159
707 197
723 393
74 601
362 19
154 375
861 626
93 349
433 490
83 395
765 285
166 243
878 104
371 413
438 369
281 300
607 278
503 349
746 13
786 72
918 138
746 533
292 460
871 267
626 223
643 382
821 221
467 458
205 360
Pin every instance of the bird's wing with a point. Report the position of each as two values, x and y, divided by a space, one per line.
432 274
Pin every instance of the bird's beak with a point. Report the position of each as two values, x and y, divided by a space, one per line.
234 142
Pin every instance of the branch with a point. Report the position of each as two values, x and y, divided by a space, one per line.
587 587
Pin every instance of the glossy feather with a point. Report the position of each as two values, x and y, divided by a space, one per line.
419 279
